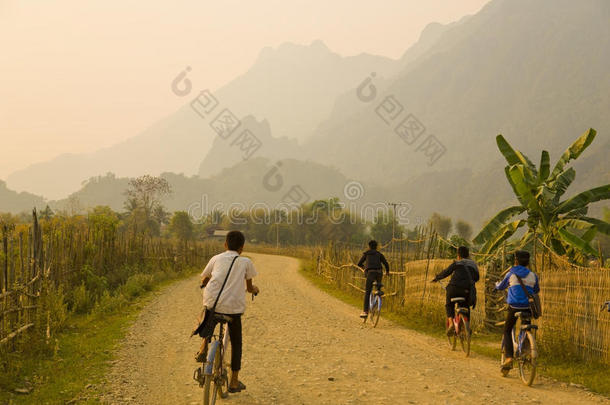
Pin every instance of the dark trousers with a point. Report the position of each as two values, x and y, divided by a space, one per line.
511 319
371 277
235 336
453 292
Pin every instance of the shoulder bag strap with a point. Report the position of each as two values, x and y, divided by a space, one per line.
225 282
527 293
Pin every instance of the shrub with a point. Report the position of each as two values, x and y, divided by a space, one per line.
137 284
81 300
108 303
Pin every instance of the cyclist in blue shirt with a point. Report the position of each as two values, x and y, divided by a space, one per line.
517 300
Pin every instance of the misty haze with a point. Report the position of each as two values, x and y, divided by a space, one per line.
392 202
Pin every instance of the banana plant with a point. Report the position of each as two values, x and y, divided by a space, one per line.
563 225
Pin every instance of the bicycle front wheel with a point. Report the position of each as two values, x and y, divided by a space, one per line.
528 359
213 382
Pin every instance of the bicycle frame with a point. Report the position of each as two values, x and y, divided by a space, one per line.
214 346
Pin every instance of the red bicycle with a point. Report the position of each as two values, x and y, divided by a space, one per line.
461 324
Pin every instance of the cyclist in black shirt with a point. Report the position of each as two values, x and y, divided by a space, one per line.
464 274
371 262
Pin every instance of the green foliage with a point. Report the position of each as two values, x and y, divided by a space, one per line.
181 226
562 225
81 300
56 316
136 285
109 303
382 228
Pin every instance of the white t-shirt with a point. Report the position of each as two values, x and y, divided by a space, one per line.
233 297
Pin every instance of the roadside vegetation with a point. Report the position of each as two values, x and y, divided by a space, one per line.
430 320
71 283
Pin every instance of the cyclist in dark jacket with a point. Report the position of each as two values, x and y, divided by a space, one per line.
371 262
464 274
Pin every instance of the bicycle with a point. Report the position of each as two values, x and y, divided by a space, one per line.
524 346
213 375
461 324
214 370
374 304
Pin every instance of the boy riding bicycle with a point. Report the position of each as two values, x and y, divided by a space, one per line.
517 300
371 262
464 274
232 299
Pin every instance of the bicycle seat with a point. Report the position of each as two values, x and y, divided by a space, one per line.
458 299
523 315
222 318
529 327
378 285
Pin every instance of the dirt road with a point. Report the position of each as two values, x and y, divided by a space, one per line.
302 346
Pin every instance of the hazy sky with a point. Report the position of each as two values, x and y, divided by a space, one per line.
79 75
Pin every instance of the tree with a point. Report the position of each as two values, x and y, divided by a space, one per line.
160 215
46 214
463 229
181 226
562 225
382 227
144 196
442 225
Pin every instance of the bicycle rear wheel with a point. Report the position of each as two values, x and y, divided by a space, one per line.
464 335
451 336
528 359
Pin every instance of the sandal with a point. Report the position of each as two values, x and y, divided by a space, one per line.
240 387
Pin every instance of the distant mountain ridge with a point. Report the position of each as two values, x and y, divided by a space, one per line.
293 87
535 71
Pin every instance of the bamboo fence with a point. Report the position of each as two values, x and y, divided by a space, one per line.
37 259
572 324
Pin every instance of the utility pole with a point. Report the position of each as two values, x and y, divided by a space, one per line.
394 205
277 236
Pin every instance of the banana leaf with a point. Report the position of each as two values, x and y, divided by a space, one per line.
512 156
545 166
491 227
522 188
503 234
574 151
601 226
562 182
577 242
583 199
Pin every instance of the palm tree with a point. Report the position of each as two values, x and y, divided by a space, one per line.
562 225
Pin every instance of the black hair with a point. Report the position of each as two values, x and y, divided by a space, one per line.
373 244
463 252
523 257
235 240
